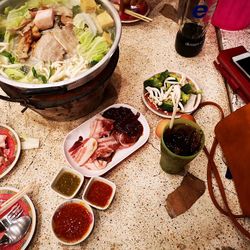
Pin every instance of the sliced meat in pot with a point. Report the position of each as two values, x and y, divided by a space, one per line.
66 38
48 49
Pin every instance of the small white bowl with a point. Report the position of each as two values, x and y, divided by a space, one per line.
111 184
85 204
66 169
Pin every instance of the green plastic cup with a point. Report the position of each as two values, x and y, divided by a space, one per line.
173 163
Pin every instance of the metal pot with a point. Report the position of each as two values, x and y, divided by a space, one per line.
69 84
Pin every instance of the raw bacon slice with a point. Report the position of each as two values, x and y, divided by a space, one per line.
101 127
106 147
83 152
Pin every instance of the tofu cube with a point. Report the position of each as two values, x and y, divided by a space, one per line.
88 6
105 20
107 37
44 19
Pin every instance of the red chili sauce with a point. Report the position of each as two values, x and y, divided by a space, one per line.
71 222
99 193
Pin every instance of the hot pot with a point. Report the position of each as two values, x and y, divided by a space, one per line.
71 98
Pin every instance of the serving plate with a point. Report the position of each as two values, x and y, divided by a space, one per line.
84 130
17 152
28 208
189 107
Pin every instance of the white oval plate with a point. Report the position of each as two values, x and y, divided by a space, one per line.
84 130
17 150
189 107
32 214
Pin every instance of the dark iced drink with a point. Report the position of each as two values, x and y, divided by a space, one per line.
180 145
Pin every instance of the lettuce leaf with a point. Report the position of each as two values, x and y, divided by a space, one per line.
93 50
14 74
17 16
85 38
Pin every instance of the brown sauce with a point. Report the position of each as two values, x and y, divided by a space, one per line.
67 183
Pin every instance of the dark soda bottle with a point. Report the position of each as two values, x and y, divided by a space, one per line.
194 17
189 41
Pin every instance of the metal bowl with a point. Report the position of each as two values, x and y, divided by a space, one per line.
82 78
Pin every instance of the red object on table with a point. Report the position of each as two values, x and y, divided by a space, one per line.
234 76
99 193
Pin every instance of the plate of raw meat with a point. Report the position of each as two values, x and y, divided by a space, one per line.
100 143
10 148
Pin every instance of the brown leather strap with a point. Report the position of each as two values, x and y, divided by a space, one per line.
212 170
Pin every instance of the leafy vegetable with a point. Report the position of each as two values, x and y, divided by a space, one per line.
153 82
161 76
9 56
187 88
83 20
184 97
76 10
14 74
17 16
167 105
190 89
7 10
95 51
39 76
38 3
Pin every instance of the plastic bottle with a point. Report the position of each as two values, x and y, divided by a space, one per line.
194 17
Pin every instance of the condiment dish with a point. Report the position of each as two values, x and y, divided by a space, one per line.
58 185
98 193
72 218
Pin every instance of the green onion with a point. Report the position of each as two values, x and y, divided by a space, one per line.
38 76
9 56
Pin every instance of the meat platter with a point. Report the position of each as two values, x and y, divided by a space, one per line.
100 143
10 148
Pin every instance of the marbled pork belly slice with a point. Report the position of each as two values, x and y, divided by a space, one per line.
66 38
107 146
101 127
48 49
84 151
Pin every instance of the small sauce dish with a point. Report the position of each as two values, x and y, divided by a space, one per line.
99 193
67 182
72 222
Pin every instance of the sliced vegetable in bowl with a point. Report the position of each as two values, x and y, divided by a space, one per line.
163 90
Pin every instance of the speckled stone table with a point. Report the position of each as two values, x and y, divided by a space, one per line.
137 218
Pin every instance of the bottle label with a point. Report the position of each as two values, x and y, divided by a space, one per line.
193 44
199 11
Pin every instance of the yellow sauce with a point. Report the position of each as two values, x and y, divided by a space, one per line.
67 183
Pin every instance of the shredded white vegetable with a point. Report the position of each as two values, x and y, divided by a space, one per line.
68 68
3 46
